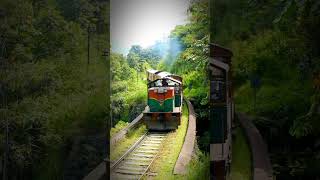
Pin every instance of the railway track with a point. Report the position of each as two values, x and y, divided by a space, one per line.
134 164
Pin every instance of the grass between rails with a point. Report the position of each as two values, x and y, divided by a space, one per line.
121 147
170 150
241 159
164 165
198 167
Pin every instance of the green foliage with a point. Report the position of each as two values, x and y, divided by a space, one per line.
191 63
272 55
128 89
195 38
196 86
138 57
199 166
278 42
162 66
48 93
118 127
282 50
309 123
120 68
241 167
121 147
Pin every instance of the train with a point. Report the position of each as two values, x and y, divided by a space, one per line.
165 99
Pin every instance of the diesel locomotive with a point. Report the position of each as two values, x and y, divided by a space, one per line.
164 101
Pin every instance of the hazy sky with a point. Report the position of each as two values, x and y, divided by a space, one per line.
142 22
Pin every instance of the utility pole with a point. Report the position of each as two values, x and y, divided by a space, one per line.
109 79
108 109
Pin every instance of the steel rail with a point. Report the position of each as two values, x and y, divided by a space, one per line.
129 151
142 153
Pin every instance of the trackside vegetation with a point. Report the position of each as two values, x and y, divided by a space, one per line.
190 63
276 75
241 166
124 144
54 87
52 96
171 147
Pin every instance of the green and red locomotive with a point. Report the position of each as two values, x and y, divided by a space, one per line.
164 101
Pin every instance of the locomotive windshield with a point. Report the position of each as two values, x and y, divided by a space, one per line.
163 83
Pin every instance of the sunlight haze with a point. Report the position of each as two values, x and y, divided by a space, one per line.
142 22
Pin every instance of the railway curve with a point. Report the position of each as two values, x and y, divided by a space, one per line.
134 164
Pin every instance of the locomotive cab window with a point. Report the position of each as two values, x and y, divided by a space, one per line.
163 83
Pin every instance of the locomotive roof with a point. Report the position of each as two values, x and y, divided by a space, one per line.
153 71
164 75
172 79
